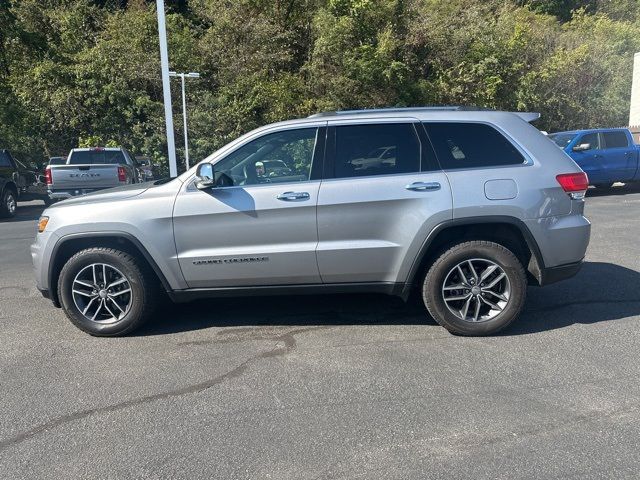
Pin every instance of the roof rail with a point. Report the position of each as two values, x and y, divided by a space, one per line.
527 116
366 111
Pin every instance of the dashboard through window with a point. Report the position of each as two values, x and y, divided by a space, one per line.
278 157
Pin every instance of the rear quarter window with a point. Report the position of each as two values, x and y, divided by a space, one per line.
471 145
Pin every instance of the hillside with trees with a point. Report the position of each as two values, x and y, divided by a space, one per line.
83 72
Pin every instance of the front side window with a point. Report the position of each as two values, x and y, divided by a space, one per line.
592 139
376 149
273 158
471 145
615 140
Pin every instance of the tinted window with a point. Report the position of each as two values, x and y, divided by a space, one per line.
4 160
469 145
615 140
57 160
382 149
562 139
593 139
274 158
91 157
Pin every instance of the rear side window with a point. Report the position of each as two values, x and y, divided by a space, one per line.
615 140
4 160
471 145
376 149
93 157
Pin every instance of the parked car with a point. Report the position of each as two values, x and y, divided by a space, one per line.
57 160
606 155
19 183
471 208
90 169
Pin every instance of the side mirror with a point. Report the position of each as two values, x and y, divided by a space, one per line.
582 147
205 177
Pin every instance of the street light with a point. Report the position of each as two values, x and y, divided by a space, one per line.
184 110
166 91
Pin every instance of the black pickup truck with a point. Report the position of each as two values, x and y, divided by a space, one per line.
19 183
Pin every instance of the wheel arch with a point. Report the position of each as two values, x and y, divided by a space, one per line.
508 231
69 245
12 186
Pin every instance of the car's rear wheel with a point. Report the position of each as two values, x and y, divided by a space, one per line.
8 204
105 292
475 288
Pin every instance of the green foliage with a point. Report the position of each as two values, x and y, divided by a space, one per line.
86 72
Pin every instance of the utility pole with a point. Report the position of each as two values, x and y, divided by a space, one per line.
166 89
184 111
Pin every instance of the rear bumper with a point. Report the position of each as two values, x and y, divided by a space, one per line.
561 272
64 194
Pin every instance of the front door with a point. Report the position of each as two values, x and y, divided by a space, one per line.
382 195
260 228
592 159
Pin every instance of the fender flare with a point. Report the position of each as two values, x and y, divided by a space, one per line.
113 233
504 219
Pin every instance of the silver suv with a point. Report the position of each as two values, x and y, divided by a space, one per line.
465 206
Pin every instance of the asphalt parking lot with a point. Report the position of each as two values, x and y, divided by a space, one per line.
330 387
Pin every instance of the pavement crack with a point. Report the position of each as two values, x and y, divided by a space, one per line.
286 343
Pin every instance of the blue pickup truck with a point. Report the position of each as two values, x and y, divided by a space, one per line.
606 155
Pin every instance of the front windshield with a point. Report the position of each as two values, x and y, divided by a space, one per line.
562 139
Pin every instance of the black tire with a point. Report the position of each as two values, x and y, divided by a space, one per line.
432 291
143 285
8 198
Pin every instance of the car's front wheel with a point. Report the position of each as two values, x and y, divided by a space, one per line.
475 288
106 292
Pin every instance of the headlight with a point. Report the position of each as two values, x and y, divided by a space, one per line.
42 224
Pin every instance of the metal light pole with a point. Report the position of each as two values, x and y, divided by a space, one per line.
166 90
184 110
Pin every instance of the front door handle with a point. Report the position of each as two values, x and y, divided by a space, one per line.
423 186
293 196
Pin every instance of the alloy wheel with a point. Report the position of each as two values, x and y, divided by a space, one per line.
102 293
476 290
11 203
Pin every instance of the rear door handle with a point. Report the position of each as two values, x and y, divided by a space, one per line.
293 196
423 186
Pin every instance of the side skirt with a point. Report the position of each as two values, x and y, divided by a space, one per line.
388 288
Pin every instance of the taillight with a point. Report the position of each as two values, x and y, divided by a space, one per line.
575 184
47 176
122 174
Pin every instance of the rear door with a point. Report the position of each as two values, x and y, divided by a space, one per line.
380 196
619 155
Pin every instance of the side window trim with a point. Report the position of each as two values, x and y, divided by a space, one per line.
528 158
